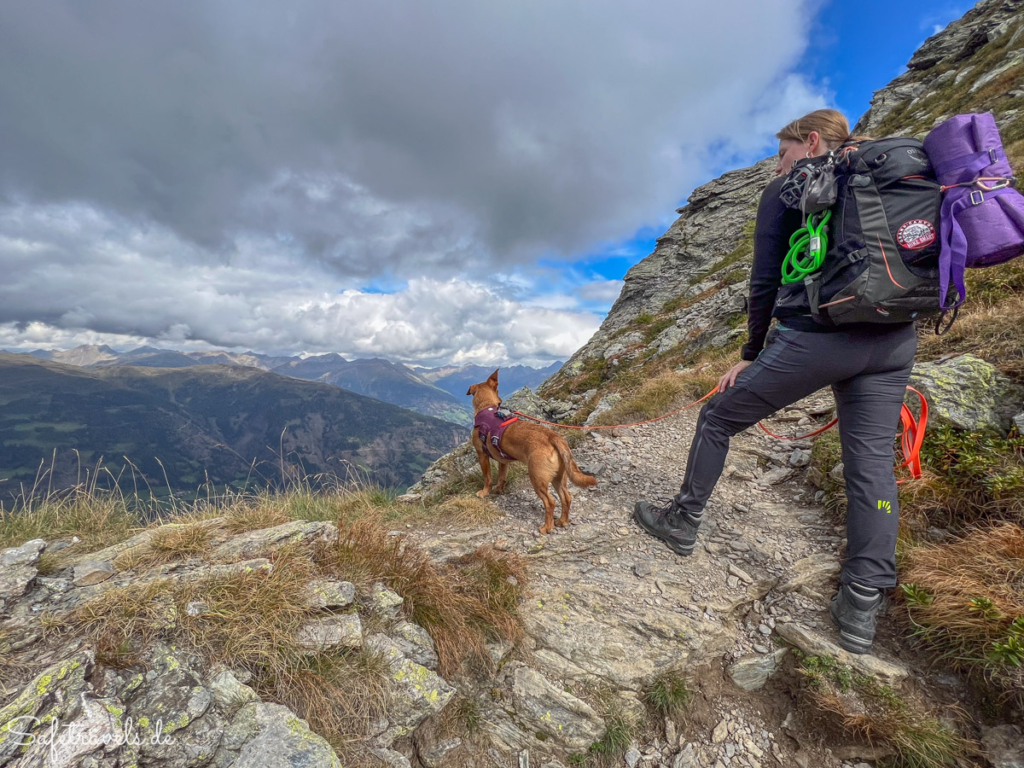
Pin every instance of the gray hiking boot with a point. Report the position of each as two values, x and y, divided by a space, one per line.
854 610
668 523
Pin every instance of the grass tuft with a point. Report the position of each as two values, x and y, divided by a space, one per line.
965 602
668 694
462 604
876 714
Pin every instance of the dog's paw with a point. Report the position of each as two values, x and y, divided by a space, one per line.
545 530
481 494
561 523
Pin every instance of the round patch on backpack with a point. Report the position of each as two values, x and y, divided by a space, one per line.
916 234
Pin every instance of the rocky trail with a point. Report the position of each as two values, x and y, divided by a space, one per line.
612 605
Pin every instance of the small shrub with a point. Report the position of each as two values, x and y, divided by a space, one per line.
969 477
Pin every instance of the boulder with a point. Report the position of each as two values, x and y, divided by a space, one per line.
1004 746
89 572
416 692
968 393
322 594
544 707
172 710
330 632
17 569
814 644
416 643
386 602
228 693
272 736
752 672
49 695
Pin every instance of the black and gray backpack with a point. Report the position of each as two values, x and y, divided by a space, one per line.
869 248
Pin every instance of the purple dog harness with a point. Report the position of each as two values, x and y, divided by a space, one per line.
491 424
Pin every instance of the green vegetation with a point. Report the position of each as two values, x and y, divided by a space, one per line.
862 708
668 694
972 477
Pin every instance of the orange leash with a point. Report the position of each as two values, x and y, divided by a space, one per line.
911 438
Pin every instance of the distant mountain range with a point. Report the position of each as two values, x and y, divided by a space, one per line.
391 382
180 426
439 392
457 379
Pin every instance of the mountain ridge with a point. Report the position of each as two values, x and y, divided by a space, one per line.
215 421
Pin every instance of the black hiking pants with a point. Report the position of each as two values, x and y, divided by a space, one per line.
868 372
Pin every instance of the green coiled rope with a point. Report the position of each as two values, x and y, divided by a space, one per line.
807 249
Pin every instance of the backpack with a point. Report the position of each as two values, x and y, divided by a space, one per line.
870 248
982 215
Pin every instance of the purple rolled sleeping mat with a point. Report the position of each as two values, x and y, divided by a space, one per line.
982 222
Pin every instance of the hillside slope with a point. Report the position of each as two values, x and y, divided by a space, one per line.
226 423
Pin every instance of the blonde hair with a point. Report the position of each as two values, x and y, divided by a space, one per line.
830 124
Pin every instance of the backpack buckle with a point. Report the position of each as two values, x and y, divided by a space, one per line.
992 156
980 197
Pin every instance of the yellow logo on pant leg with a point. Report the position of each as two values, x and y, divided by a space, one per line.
887 506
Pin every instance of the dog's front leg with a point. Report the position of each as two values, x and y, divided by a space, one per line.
485 467
502 476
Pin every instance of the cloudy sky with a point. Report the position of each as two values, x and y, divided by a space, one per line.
452 181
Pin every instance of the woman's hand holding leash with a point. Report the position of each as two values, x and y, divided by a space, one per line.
729 379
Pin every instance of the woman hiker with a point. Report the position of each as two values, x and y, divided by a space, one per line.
868 367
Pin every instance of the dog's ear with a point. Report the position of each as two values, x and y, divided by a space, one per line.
493 378
472 389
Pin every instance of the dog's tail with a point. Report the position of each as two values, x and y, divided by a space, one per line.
576 475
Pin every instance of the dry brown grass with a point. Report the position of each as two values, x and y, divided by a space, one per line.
994 333
461 604
167 544
858 707
249 623
657 396
965 600
991 323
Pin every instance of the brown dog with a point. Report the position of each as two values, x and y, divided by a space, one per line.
546 455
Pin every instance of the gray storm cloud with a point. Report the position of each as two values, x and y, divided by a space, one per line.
347 141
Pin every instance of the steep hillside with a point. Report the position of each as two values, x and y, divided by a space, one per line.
184 425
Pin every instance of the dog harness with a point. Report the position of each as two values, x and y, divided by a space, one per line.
491 424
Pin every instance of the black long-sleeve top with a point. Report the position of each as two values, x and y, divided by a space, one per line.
775 225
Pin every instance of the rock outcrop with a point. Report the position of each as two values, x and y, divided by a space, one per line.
954 58
701 264
968 393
